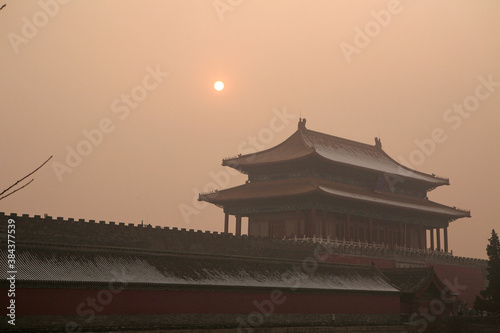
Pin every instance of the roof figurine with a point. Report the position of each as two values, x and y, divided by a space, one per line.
302 124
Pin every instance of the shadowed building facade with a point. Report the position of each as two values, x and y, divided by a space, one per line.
318 185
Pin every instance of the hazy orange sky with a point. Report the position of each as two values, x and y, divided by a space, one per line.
354 69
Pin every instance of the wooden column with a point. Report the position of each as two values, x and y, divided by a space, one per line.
348 228
312 223
386 235
431 231
238 225
226 223
334 231
424 238
401 235
297 223
393 240
325 229
419 238
370 226
355 231
438 239
445 235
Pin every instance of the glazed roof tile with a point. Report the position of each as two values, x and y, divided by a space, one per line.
83 265
411 280
303 186
304 143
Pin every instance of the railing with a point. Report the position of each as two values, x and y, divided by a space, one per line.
365 245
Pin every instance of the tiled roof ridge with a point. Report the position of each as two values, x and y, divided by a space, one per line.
392 195
266 151
78 248
340 139
373 148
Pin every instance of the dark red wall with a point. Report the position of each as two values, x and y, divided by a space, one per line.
379 263
467 277
32 301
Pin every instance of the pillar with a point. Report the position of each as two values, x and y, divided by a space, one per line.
431 232
393 239
238 225
325 229
348 228
424 238
312 222
401 235
445 235
386 234
438 239
334 230
226 223
370 231
355 229
419 239
297 223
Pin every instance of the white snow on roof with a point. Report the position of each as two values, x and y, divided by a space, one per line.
441 210
365 157
75 266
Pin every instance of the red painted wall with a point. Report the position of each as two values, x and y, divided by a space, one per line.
468 280
66 302
468 277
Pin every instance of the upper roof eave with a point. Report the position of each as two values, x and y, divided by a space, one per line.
305 143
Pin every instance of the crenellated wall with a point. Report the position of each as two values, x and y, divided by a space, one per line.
467 272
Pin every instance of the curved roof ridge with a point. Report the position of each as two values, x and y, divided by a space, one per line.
267 151
378 151
446 180
343 140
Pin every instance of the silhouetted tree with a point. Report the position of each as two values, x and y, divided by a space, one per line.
490 297
12 187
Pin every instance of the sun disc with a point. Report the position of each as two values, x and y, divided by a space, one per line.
219 85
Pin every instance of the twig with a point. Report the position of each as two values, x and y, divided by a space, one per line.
20 180
5 196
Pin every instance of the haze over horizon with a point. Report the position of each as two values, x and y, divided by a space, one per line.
422 75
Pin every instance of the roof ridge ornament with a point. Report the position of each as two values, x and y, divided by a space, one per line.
302 124
378 143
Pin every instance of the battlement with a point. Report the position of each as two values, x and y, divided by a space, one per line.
59 230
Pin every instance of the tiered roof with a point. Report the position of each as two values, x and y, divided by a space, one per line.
297 187
305 143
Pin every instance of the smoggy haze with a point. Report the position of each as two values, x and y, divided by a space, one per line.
423 74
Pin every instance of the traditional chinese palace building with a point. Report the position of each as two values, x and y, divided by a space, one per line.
337 236
319 185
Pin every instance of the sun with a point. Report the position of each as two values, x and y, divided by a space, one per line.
219 85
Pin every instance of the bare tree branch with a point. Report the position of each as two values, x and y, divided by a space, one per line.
5 196
20 180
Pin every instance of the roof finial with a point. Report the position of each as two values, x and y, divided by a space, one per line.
302 124
378 143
